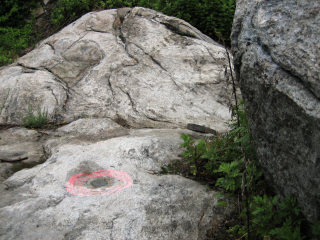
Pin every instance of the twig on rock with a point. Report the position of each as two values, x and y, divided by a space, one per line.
13 160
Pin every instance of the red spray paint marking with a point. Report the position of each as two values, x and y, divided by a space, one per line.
75 185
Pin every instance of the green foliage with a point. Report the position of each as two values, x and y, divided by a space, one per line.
66 11
230 159
13 41
15 13
16 27
232 175
193 152
39 120
212 17
316 229
274 218
116 3
223 156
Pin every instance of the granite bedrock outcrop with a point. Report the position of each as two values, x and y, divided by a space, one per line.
128 83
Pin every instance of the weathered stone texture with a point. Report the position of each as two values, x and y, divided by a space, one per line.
34 203
16 144
277 55
106 74
134 65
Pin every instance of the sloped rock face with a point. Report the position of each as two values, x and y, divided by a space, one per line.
277 54
37 203
134 66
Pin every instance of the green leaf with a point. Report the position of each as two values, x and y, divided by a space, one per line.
222 203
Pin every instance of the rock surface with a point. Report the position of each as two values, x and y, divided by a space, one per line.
134 66
19 148
35 203
107 74
277 54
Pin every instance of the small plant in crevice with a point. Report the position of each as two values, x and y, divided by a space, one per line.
193 153
38 120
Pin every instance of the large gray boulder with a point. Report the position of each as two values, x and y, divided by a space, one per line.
99 177
135 66
40 203
277 55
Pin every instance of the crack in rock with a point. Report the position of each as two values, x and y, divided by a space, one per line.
63 84
52 47
156 120
118 27
27 69
156 62
110 85
159 64
130 99
76 41
54 95
94 30
121 121
125 46
176 30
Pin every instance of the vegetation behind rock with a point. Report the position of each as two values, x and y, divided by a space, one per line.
16 26
18 32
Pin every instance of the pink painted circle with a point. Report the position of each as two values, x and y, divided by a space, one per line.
98 183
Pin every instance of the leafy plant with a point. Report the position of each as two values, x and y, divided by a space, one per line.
315 230
17 32
16 28
38 120
15 13
193 153
116 3
230 160
66 11
232 176
13 41
212 17
274 219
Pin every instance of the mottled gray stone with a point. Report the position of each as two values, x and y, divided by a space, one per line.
277 54
20 89
36 205
19 149
82 132
135 65
101 78
91 126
